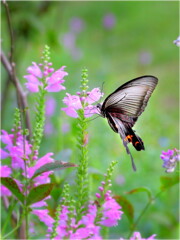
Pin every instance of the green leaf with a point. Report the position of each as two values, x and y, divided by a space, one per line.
52 166
39 193
11 184
141 189
167 182
127 207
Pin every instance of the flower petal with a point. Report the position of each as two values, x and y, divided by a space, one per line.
35 70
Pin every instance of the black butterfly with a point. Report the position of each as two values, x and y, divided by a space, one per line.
123 107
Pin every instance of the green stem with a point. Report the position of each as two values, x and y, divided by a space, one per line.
18 225
82 175
143 212
9 215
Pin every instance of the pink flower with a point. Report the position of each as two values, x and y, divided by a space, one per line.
15 150
111 213
93 96
98 195
76 24
50 106
48 128
35 70
109 21
53 80
137 236
3 154
5 171
170 159
43 216
74 102
32 83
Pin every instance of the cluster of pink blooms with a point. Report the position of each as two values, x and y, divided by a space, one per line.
89 226
74 103
52 79
14 149
170 159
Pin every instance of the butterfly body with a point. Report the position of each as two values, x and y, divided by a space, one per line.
123 107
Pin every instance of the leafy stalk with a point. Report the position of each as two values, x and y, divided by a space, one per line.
82 180
106 184
65 200
40 107
39 119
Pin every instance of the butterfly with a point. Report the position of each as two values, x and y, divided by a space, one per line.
123 107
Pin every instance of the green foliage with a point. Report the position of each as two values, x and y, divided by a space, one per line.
52 166
141 189
38 193
168 182
127 207
13 187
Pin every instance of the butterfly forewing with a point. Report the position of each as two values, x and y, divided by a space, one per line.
131 98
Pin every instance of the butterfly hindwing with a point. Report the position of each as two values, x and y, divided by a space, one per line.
120 128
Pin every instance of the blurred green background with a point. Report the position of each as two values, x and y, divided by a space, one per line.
116 41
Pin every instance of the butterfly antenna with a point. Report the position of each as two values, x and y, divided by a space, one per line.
102 86
92 119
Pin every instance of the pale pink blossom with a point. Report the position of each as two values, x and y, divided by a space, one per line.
74 103
48 78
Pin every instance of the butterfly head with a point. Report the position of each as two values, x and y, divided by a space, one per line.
99 107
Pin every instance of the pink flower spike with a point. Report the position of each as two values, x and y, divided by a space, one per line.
35 70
